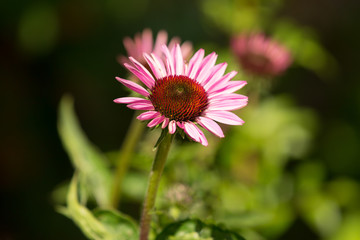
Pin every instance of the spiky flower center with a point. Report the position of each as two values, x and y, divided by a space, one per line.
179 98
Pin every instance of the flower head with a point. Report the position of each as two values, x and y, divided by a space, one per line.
143 43
260 55
185 95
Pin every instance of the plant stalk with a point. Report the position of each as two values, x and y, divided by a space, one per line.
153 184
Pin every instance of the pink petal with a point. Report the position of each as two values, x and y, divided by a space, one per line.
147 41
173 42
211 126
221 83
186 49
122 59
141 105
148 115
233 86
205 68
195 133
144 71
190 129
133 86
229 105
203 139
180 124
218 72
155 66
227 96
143 78
160 62
194 63
172 126
224 117
127 100
130 46
169 61
179 61
156 121
161 39
165 123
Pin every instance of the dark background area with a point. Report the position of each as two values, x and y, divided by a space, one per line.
80 59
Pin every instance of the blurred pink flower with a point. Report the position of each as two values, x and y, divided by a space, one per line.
260 55
143 43
185 95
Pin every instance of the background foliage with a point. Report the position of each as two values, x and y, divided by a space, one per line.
290 173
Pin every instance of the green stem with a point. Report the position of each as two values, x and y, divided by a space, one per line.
123 160
154 180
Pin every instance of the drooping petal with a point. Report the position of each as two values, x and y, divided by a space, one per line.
172 127
211 126
148 115
165 123
203 139
128 100
180 125
133 86
156 121
195 133
190 129
224 117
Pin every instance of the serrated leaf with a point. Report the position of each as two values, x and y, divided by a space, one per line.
85 157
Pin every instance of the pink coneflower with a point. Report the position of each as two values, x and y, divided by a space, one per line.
143 43
185 95
260 55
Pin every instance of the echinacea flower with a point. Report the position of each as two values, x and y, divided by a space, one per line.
259 55
143 43
185 95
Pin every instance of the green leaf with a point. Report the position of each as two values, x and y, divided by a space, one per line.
86 158
118 224
198 230
100 225
170 230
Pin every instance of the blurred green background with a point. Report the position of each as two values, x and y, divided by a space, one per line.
48 48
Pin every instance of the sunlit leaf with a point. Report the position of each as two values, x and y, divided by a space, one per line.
101 224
